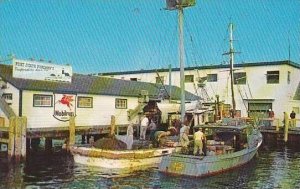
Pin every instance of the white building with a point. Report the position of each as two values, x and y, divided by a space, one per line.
92 100
258 86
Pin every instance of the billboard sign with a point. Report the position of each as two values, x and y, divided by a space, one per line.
27 69
64 106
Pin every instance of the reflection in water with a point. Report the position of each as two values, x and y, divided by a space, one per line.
275 167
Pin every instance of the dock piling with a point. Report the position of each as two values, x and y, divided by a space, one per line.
286 126
72 131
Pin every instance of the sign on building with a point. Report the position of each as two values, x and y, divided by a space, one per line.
27 69
64 106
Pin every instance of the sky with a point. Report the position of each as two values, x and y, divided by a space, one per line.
96 36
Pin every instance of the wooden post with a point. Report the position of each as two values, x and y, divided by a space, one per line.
18 139
286 126
277 125
112 125
72 131
11 137
23 137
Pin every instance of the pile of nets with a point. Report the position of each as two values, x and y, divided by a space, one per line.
111 143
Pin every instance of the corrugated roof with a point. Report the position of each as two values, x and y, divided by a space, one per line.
85 84
241 65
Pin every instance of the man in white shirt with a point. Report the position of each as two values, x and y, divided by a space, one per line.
129 136
144 125
198 144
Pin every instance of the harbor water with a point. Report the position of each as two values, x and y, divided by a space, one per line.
275 166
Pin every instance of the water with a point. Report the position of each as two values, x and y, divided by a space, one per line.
276 166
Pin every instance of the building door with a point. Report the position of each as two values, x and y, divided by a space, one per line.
259 110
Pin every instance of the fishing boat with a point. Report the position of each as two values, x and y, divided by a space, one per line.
230 143
141 156
120 159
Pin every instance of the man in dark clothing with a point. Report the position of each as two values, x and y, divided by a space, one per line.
293 120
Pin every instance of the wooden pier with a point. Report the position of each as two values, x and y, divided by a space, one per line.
18 138
275 130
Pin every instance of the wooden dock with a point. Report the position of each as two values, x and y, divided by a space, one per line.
18 138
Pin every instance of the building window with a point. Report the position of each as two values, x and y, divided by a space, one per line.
239 78
133 79
212 77
289 77
272 77
189 78
121 103
160 80
7 96
85 102
42 100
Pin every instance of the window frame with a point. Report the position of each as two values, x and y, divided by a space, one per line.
5 95
84 97
240 78
42 95
190 80
212 78
273 74
117 106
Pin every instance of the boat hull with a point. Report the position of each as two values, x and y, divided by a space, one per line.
189 165
120 159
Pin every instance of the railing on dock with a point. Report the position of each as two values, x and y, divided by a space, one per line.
270 123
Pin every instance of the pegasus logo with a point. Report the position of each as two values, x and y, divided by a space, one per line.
66 100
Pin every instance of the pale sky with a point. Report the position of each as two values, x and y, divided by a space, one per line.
121 35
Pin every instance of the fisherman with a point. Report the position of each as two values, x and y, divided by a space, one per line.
198 141
144 125
152 128
293 119
271 117
160 137
184 139
129 136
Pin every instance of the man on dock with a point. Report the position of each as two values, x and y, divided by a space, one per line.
271 117
293 119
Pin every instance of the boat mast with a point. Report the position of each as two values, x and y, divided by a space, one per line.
180 5
181 62
231 61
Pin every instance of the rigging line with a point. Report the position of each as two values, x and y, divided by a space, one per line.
249 89
194 59
241 95
160 80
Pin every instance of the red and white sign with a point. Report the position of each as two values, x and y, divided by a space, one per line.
64 106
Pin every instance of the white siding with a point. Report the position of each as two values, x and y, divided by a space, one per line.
256 87
100 114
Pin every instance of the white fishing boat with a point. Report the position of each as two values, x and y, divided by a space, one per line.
230 143
120 159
